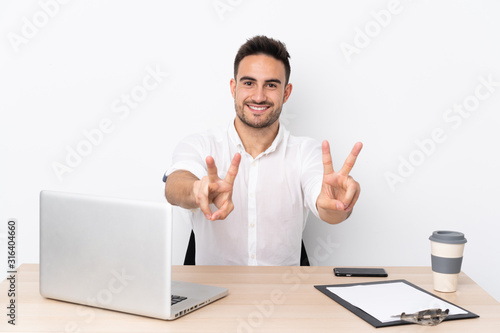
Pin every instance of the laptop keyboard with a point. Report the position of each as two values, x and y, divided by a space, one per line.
176 299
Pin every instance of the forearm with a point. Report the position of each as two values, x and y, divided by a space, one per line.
179 189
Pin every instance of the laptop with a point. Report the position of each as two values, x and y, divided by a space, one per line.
113 254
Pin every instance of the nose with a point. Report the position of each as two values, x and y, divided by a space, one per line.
259 95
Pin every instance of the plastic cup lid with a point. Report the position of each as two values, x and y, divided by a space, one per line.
448 237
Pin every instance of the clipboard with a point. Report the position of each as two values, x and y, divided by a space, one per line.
374 321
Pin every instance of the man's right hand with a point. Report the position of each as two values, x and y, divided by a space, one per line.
212 189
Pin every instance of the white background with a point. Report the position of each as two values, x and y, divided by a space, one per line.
65 68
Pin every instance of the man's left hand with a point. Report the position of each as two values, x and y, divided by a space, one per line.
339 191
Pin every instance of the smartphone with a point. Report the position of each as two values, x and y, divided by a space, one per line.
368 272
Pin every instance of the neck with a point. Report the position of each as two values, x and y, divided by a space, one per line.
256 140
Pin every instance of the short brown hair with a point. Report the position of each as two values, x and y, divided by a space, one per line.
267 46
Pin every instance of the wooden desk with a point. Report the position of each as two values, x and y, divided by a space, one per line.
261 299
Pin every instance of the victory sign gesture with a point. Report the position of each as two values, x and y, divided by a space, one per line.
212 189
339 191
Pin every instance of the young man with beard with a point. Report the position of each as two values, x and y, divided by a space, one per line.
251 185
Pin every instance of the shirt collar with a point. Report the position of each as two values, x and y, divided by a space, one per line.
235 138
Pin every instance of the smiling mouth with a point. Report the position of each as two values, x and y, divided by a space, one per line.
258 108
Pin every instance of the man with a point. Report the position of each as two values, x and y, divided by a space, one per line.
251 185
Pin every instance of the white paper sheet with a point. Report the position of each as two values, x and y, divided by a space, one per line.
385 300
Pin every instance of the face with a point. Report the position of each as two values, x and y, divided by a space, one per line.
259 90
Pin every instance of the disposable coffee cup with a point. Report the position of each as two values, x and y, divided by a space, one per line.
447 248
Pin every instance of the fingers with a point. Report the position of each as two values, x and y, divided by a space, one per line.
213 190
201 194
352 194
349 162
206 185
233 169
327 158
231 172
354 200
223 212
211 169
341 189
228 206
332 204
351 159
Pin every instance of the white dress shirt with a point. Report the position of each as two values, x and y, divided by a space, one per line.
272 196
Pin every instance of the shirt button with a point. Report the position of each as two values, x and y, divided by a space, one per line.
251 195
254 164
253 256
252 225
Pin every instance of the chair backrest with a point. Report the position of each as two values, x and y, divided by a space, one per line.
189 259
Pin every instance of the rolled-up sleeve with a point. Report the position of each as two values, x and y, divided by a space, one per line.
312 174
189 155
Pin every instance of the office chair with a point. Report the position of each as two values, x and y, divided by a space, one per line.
189 259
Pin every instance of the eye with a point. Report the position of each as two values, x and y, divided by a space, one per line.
272 85
247 83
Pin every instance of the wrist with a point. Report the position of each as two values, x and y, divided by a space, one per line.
195 191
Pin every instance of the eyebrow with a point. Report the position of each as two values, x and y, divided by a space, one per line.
249 78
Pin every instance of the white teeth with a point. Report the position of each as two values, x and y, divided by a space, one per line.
262 108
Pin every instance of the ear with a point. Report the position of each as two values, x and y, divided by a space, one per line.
288 91
232 84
